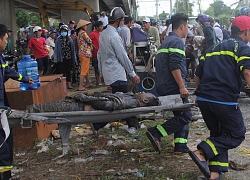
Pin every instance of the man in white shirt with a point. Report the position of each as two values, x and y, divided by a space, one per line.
104 19
51 43
125 32
217 29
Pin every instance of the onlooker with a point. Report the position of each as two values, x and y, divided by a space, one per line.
125 33
104 19
113 61
94 36
76 68
8 48
6 146
71 26
208 31
170 76
164 33
51 43
217 29
218 84
65 54
44 33
151 31
59 26
38 45
190 59
85 53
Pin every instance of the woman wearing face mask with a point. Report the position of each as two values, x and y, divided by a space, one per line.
85 53
64 54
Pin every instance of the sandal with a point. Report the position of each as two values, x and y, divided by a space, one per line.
154 141
202 165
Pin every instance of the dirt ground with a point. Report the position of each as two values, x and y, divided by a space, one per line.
118 154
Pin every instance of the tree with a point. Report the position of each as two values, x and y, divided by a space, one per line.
25 18
219 7
163 16
183 6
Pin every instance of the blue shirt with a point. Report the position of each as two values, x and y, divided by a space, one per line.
113 61
170 56
220 70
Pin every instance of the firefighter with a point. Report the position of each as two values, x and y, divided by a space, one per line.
170 64
218 84
6 147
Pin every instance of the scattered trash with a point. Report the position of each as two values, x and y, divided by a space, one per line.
44 149
200 121
20 154
51 170
75 177
109 143
61 161
142 126
123 151
131 130
140 174
82 160
79 130
134 150
56 134
111 170
103 152
16 170
115 124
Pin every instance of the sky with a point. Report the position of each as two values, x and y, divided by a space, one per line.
148 8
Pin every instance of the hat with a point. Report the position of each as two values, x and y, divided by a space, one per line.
103 12
242 22
146 19
71 22
82 23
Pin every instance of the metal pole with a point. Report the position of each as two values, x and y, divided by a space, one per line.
171 8
156 4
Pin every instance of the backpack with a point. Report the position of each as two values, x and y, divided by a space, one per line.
226 34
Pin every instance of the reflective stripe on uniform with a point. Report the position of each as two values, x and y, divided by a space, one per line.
162 130
228 53
4 65
174 50
217 163
212 146
20 77
180 140
5 168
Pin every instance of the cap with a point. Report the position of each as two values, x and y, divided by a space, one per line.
71 22
52 31
242 22
9 30
82 23
146 19
103 12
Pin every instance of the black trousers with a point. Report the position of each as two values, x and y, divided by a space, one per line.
131 121
65 68
43 64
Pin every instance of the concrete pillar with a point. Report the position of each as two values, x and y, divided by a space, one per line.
8 18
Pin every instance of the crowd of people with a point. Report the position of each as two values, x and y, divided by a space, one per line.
219 59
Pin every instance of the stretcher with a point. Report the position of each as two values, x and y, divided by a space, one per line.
66 119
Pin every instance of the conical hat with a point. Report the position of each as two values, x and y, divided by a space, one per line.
82 23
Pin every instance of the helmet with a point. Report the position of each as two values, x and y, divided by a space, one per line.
203 18
238 12
217 20
52 31
37 28
244 10
116 13
64 27
210 19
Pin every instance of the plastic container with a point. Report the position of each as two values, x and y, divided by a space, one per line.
28 67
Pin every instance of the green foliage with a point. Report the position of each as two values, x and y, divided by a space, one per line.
163 15
26 18
219 7
184 6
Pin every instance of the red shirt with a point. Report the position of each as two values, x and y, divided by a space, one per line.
38 47
94 36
